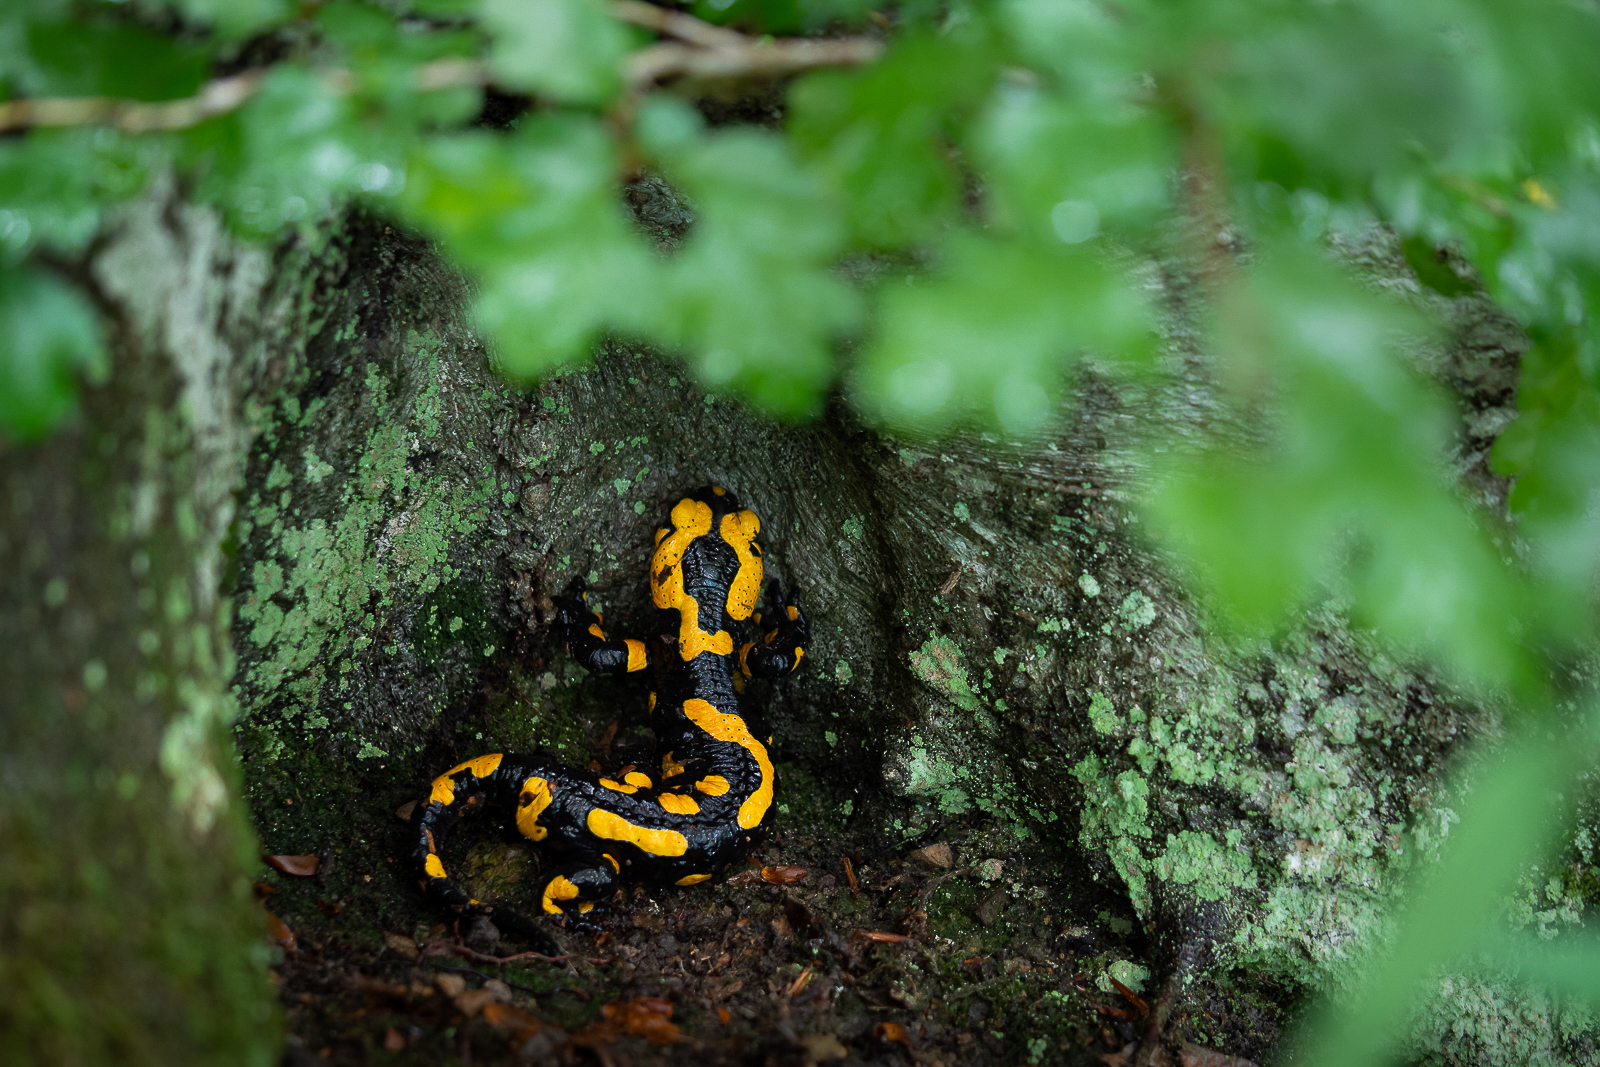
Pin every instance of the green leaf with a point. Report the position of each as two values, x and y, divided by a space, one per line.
1058 170
52 336
537 217
568 50
989 339
120 59
883 135
55 183
753 293
1344 486
290 156
233 19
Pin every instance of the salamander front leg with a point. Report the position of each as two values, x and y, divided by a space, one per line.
587 642
783 647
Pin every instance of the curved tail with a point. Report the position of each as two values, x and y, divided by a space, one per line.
477 784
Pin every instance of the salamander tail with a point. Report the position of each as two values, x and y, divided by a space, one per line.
477 784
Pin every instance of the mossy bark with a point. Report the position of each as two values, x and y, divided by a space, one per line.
128 929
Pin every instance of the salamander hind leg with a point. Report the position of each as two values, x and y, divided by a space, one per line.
574 890
783 645
587 641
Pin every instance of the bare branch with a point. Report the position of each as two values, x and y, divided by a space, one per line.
677 24
751 58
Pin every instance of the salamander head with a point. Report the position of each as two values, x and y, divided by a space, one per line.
707 565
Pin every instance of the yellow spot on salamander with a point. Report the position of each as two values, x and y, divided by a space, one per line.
744 658
586 907
636 655
713 785
739 530
798 653
652 705
618 786
679 805
692 640
613 827
637 778
444 786
594 628
731 728
434 866
661 533
536 795
793 612
717 489
558 888
609 858
670 767
693 879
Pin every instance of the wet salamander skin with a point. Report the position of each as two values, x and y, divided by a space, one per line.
701 807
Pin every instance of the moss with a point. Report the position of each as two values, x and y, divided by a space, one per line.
938 663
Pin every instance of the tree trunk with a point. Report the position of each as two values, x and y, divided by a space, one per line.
1001 664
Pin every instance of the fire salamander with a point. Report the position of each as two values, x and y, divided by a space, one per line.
704 808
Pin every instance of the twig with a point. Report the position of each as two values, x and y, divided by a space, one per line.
670 23
751 58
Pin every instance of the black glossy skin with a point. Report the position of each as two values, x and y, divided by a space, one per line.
686 753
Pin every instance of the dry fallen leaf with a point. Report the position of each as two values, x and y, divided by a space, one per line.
451 985
299 866
401 945
280 933
403 812
938 856
886 938
512 1020
892 1032
750 877
646 1017
783 875
392 1040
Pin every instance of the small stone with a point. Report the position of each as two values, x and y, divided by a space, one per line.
937 856
821 1047
499 989
451 985
990 907
482 934
473 1001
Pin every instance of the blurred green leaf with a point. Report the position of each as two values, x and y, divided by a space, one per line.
883 136
118 59
1058 170
537 216
753 295
990 337
291 155
1346 481
233 19
568 50
55 183
51 337
1510 818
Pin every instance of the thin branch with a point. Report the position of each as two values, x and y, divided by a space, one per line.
752 58
708 52
676 24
